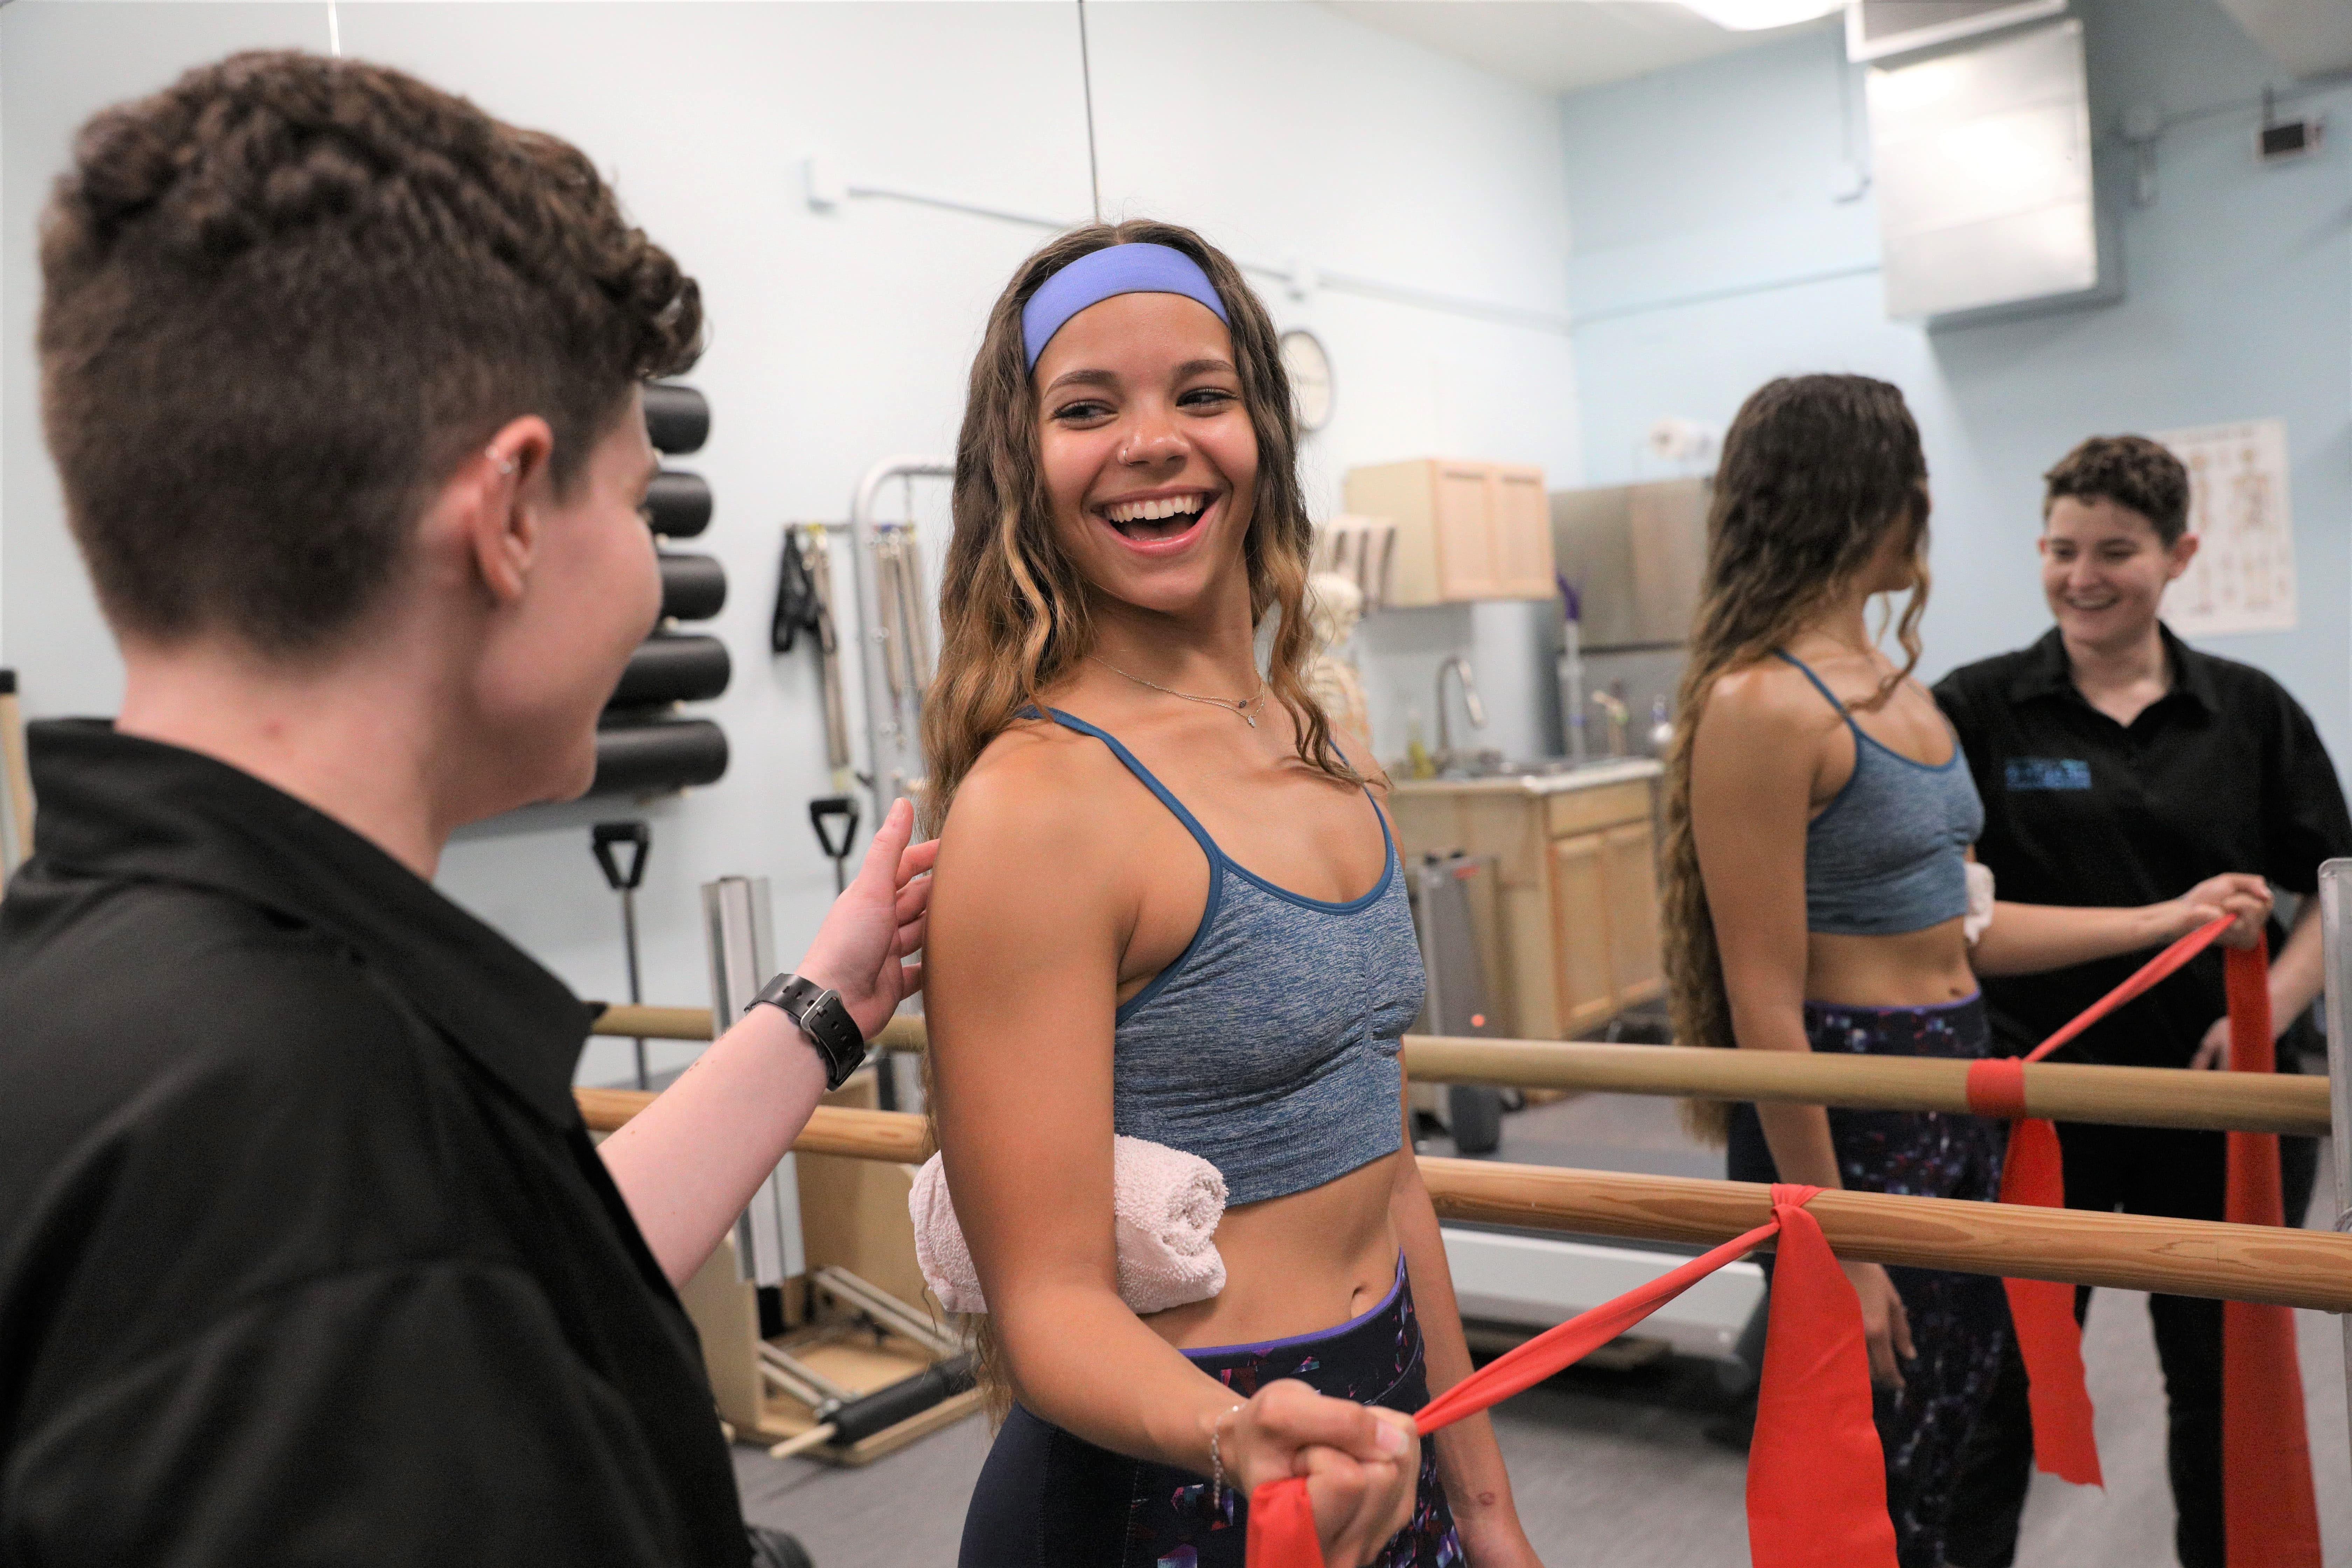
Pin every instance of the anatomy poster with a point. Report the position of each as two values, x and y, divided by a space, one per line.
2243 577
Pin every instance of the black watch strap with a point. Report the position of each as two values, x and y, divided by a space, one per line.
822 1018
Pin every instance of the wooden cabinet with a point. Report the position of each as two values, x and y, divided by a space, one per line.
1464 530
1576 870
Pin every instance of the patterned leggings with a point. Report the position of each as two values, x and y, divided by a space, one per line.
1959 1322
1047 1499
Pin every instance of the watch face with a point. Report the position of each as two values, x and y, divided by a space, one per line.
1309 368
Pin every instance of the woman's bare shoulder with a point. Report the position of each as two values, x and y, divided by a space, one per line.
1769 691
1037 781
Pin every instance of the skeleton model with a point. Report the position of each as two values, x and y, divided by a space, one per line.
1334 605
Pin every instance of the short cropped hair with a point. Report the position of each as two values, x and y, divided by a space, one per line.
283 299
2129 470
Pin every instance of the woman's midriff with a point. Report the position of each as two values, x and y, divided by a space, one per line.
1297 1264
1911 969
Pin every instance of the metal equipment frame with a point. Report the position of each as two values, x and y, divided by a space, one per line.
741 923
2334 890
894 753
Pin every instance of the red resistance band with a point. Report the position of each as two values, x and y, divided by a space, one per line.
1816 1479
2271 1519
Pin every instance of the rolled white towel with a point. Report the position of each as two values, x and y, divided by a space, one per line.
1165 1205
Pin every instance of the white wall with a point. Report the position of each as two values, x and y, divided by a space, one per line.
1279 129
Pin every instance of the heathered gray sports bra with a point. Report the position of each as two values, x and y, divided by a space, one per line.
1889 853
1269 1047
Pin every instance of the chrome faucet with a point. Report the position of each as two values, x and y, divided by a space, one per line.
1475 708
1613 705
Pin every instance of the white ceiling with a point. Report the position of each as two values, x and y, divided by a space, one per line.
1560 45
2310 38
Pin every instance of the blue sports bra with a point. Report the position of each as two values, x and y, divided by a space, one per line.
1269 1047
1889 853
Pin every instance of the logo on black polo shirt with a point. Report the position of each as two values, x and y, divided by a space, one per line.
2049 773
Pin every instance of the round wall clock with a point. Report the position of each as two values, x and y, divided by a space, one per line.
1308 365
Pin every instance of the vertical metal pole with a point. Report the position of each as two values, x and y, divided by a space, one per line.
636 991
768 1246
2334 908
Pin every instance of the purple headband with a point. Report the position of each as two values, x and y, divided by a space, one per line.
1100 275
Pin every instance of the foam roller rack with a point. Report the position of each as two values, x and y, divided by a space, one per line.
645 744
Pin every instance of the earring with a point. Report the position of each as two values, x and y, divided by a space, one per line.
506 465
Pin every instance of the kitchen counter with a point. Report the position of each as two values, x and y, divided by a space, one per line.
1629 770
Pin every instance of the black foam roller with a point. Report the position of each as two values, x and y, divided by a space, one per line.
668 668
678 503
694 588
884 1408
643 755
678 418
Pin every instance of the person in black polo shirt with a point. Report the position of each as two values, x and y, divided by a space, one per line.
2115 760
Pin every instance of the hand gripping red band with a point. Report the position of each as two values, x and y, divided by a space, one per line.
1816 1479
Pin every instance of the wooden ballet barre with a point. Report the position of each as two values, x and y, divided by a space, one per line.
2060 1091
832 1129
2176 1257
900 1034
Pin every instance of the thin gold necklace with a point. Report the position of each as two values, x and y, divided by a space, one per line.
1239 705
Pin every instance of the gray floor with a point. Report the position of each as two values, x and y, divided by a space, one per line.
1618 1470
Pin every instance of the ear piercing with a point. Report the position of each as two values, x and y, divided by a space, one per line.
506 465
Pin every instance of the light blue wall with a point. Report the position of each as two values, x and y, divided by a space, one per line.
1711 253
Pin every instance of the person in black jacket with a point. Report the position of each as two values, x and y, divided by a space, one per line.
305 1253
2113 760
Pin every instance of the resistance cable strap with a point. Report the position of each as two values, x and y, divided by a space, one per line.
1816 1478
2269 1516
2041 1312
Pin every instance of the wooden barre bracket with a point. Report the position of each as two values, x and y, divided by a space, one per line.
2176 1257
2133 1097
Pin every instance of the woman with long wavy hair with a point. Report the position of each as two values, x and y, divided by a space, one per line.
1819 824
1169 907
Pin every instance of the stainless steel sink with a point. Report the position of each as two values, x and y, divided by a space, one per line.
1494 765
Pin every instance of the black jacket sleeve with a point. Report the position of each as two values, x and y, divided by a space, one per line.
410 1415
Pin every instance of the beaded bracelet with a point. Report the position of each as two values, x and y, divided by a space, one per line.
1216 1458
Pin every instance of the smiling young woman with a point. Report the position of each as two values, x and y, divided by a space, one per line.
1194 933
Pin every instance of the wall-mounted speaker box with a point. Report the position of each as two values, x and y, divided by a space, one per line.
678 418
678 504
639 756
694 588
673 668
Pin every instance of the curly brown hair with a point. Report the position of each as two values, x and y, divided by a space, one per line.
284 297
1816 469
2131 471
1014 610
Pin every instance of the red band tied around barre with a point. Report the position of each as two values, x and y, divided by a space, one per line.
1997 1088
1816 1478
2269 1516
